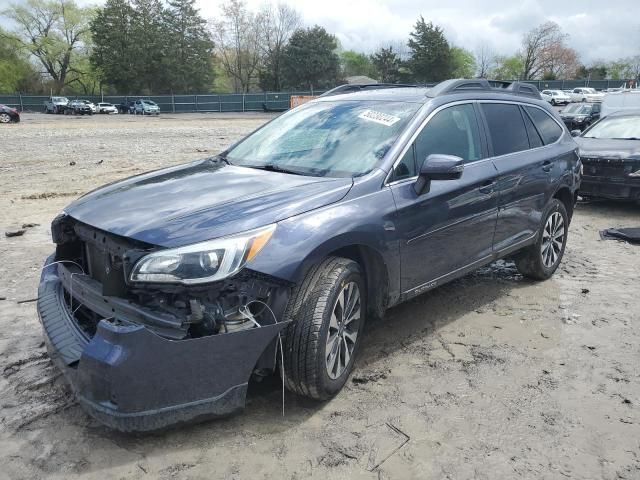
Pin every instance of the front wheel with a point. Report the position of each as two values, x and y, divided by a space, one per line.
5 118
327 310
540 260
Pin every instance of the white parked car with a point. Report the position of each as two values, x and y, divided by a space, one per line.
104 107
625 100
555 97
586 94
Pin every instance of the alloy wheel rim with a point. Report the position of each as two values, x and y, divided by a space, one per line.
4 118
552 239
342 333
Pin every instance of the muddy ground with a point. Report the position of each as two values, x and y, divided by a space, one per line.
491 376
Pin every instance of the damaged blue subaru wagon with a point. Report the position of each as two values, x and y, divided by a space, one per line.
167 291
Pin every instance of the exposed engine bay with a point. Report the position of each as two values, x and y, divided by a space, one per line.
94 267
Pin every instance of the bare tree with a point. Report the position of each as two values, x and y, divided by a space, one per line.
559 62
278 25
54 32
485 60
535 44
238 38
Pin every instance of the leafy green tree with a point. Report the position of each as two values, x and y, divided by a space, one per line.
387 64
310 60
190 48
149 36
507 68
114 52
16 72
355 63
463 63
431 59
54 32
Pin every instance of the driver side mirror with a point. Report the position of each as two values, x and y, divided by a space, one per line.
438 167
575 133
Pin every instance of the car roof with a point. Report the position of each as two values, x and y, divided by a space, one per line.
421 95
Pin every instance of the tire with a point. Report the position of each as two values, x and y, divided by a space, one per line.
553 103
313 308
537 261
5 118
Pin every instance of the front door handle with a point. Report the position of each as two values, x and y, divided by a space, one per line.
487 187
547 166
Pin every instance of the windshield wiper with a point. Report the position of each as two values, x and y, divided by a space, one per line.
271 167
221 157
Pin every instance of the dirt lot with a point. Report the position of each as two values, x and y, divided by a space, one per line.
489 377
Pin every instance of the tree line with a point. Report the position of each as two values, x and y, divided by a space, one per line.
155 46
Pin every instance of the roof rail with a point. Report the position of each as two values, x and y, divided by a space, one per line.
357 87
481 84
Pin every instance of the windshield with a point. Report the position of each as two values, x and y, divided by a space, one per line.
621 128
578 109
589 90
336 138
148 102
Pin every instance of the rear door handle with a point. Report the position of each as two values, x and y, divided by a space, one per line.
547 166
487 187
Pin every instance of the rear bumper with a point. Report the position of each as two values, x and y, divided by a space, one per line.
131 379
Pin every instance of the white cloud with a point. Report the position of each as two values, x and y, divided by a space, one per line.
596 29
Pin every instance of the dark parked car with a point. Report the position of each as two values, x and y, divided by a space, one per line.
126 107
579 116
8 114
78 107
610 152
169 289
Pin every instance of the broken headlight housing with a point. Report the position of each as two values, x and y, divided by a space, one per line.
202 262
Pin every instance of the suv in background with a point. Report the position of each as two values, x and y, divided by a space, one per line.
56 105
555 97
586 94
189 279
579 116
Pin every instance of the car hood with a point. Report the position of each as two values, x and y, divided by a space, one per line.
202 200
607 148
573 115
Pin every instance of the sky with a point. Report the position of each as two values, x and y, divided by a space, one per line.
598 30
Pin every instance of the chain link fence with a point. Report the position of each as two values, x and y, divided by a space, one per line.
233 102
246 102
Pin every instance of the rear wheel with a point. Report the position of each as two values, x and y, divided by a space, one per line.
540 260
327 310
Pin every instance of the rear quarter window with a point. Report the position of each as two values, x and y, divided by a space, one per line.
546 125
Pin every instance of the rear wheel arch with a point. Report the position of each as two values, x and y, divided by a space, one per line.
567 198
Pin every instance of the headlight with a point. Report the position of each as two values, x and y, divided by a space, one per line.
580 119
202 262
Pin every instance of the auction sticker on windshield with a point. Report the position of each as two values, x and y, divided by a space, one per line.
379 117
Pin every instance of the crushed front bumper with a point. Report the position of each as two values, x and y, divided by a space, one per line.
614 179
132 379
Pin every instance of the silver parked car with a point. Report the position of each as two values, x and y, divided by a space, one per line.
146 107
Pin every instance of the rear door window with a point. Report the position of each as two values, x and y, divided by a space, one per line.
546 125
506 127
